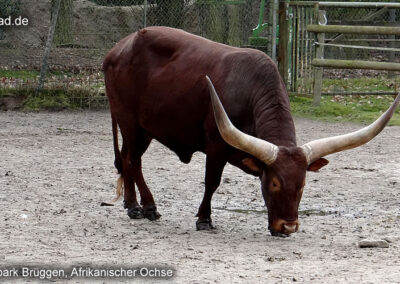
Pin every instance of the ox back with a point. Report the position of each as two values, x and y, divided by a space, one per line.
155 82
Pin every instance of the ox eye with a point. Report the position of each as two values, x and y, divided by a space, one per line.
275 185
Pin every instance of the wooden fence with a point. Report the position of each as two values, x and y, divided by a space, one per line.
303 41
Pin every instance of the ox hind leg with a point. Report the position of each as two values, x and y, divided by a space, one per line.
137 145
135 211
215 163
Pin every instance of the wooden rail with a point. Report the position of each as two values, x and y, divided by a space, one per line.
354 29
346 4
320 62
355 64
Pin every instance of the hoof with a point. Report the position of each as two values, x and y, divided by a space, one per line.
278 234
135 213
151 213
205 225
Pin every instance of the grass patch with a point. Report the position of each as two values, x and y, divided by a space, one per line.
19 74
67 90
57 98
361 109
63 90
363 84
28 75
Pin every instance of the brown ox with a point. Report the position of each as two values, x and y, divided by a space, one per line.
157 88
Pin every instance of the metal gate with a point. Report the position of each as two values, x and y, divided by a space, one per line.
296 46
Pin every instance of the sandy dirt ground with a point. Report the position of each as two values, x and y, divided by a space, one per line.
56 169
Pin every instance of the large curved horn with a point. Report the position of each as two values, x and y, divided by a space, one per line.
261 149
322 147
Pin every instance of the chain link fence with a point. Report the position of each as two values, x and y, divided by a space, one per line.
87 29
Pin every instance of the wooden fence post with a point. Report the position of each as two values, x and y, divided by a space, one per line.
318 71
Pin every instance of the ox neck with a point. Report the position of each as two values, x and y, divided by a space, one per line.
273 119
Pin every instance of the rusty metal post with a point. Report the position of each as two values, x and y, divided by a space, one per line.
392 44
319 54
283 46
275 9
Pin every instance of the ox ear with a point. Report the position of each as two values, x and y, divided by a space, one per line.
252 165
317 165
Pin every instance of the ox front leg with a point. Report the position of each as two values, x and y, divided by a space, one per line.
214 168
149 207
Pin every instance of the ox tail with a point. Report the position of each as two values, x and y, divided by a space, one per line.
117 152
118 159
120 189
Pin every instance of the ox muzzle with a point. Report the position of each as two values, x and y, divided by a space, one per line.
283 228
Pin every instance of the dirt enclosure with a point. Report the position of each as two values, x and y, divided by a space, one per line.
56 169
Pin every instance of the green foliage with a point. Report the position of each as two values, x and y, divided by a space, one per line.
223 22
363 109
167 13
63 33
258 41
8 8
118 2
44 101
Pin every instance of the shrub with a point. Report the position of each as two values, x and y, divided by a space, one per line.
118 2
8 8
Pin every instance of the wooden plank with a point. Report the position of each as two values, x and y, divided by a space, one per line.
354 29
361 47
346 4
349 4
356 64
369 17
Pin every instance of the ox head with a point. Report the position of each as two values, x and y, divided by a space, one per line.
284 171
